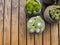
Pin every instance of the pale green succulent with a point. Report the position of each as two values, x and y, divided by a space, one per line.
36 24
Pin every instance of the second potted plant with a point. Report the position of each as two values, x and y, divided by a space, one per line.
52 13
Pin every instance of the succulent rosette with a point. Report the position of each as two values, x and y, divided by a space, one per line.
36 25
32 7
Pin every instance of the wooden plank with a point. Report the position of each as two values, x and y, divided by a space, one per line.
46 35
59 33
59 25
14 31
30 39
22 24
54 34
38 39
7 15
1 21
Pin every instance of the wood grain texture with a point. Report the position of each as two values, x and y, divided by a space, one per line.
9 26
30 39
22 24
59 33
7 16
46 35
54 34
1 21
38 39
14 31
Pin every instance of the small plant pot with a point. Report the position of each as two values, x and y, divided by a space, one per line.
47 2
35 25
47 16
37 13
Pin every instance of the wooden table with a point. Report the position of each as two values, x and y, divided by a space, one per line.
13 27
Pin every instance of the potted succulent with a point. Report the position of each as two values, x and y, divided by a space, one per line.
36 25
52 13
32 7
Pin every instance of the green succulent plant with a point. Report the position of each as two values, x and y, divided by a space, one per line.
55 13
32 6
35 24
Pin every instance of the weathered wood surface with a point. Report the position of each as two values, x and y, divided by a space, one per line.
7 15
22 21
1 21
13 29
